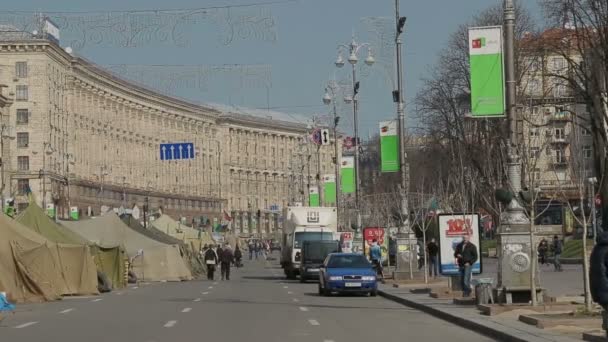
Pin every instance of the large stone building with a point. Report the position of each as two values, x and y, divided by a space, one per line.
86 138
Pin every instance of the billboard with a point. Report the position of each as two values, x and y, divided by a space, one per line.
329 188
389 146
375 233
452 227
487 71
347 174
313 196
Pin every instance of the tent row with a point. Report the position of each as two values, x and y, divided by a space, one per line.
42 260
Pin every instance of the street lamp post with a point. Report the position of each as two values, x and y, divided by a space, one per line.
46 149
5 132
353 49
330 94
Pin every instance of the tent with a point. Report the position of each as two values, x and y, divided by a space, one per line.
182 232
34 269
150 260
188 251
108 260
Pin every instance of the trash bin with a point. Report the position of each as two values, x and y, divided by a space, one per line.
483 291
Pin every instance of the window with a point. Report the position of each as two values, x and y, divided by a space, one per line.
23 139
587 152
535 64
560 156
560 134
559 90
22 93
534 131
585 132
23 163
534 152
23 186
534 87
536 174
559 63
21 69
23 116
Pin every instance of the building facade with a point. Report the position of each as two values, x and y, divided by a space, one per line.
88 139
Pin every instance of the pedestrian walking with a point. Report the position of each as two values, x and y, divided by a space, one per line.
420 253
238 255
433 250
226 259
466 256
543 249
598 274
375 254
211 260
251 247
557 253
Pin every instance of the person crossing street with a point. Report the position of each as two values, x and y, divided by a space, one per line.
226 259
211 260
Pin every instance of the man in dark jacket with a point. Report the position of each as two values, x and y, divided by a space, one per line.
557 253
466 256
227 258
432 249
211 260
598 273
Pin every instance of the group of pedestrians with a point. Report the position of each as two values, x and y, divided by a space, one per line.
222 257
543 252
258 248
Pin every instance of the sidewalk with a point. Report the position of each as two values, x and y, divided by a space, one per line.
498 327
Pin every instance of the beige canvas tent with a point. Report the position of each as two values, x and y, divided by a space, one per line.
109 260
182 232
34 269
150 260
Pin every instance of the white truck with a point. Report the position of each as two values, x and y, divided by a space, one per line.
305 224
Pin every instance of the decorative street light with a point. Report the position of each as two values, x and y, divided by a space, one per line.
353 51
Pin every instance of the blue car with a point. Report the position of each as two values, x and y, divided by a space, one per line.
347 273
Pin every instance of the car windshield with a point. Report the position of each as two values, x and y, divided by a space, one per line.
318 251
348 261
311 236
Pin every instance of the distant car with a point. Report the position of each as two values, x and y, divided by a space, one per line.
313 256
275 246
347 273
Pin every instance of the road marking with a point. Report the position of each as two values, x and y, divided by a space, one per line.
187 310
303 308
210 287
215 283
118 293
296 300
197 300
285 287
66 311
328 340
135 287
25 325
205 293
289 292
170 324
313 322
97 300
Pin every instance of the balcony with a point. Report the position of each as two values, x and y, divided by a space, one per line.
559 139
559 161
560 116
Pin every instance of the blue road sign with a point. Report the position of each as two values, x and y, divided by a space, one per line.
176 151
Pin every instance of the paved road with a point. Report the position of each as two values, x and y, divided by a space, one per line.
256 305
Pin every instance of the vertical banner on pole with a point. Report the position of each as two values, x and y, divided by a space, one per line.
487 71
389 146
313 196
347 175
329 189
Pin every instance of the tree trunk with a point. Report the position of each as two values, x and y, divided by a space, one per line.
426 266
533 258
587 288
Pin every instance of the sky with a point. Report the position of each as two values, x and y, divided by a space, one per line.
273 57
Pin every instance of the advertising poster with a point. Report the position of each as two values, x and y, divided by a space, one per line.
347 175
313 196
329 188
375 233
389 146
487 75
452 227
346 242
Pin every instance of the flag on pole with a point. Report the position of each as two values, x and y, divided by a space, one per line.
329 188
313 196
487 71
347 174
389 146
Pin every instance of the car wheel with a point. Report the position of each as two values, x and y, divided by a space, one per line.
302 278
373 293
321 293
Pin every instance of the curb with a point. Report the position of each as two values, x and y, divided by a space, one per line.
465 323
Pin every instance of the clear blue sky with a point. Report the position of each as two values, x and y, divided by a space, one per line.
301 57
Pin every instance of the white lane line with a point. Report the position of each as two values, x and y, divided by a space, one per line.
170 324
187 310
296 300
25 325
285 287
313 322
289 292
118 293
97 300
205 293
210 287
303 308
66 311
328 340
135 287
215 283
197 300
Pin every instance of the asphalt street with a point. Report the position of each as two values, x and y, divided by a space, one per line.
257 304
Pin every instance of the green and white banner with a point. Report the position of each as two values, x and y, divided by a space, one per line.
487 72
389 146
329 188
347 175
313 197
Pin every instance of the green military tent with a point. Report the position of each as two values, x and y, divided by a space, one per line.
109 260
